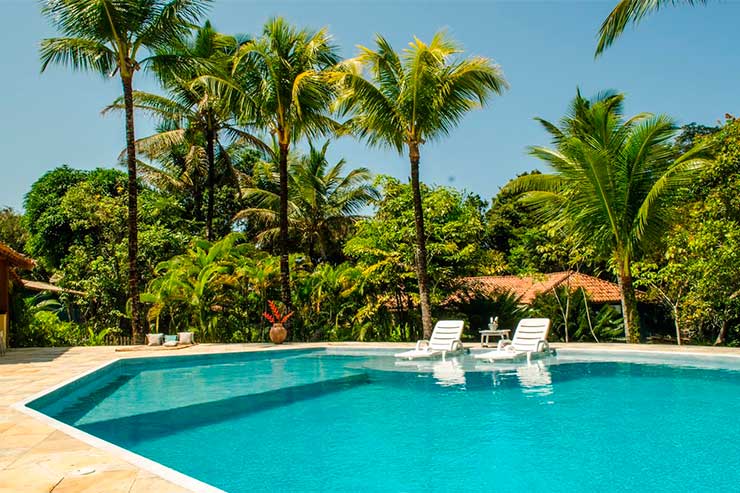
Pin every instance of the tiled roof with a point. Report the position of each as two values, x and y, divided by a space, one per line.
45 286
528 287
16 259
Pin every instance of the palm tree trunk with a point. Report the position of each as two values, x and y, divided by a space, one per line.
722 336
629 304
283 224
197 200
421 244
133 230
211 155
677 323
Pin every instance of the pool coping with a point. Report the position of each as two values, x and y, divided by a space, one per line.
673 354
140 461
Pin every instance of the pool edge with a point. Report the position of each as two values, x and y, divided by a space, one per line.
171 475
188 482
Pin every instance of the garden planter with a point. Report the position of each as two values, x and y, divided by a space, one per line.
278 333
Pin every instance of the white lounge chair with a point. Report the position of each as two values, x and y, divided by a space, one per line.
530 340
445 339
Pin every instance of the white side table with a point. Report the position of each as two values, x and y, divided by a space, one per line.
485 336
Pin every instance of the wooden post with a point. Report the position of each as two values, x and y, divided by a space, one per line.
4 302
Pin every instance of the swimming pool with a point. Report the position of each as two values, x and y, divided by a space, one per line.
338 420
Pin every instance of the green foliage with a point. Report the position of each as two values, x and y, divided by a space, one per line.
526 244
691 135
88 212
383 245
631 12
454 227
613 184
323 203
328 303
402 101
97 338
281 83
571 312
284 81
103 35
12 230
50 235
196 131
477 308
195 288
698 275
44 328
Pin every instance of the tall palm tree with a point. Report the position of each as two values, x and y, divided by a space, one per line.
407 100
322 201
631 11
282 84
109 36
193 115
613 183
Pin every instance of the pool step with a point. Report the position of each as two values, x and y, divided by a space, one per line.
78 408
132 429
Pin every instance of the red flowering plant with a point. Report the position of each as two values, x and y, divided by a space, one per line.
274 316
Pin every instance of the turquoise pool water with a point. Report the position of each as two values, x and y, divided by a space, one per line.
326 421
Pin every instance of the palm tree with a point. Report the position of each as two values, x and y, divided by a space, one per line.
613 183
323 203
632 11
408 100
193 116
109 36
282 84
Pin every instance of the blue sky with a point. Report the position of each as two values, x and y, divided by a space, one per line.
682 62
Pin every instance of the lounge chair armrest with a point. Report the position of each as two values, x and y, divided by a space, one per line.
543 345
503 343
455 345
419 344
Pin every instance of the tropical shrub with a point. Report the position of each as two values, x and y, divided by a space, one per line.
575 318
44 328
477 309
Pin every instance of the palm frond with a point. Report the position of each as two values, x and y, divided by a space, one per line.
79 54
631 11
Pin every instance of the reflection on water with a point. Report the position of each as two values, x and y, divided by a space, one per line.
446 372
535 378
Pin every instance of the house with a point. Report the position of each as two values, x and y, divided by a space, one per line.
10 262
526 288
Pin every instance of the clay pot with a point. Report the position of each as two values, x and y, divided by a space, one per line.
278 333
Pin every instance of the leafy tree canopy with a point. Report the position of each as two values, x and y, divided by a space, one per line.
384 244
12 230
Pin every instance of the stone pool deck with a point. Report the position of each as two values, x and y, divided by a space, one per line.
36 457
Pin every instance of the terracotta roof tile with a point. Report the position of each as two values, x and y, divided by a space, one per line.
528 287
16 259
